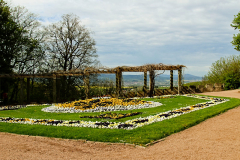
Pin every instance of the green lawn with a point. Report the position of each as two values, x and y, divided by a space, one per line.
140 136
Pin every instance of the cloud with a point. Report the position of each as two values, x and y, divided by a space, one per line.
135 32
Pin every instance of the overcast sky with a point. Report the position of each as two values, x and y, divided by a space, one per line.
194 33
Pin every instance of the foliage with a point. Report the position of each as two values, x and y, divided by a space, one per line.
27 48
20 48
226 70
193 83
232 81
31 57
10 38
17 43
236 25
203 83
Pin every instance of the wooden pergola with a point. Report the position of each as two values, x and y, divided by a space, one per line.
151 68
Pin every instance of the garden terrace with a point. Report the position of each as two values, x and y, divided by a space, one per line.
151 68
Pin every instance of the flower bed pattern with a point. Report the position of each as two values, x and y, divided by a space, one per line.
19 106
12 107
113 115
101 105
130 124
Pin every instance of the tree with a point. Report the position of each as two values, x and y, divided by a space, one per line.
236 25
9 38
18 45
227 71
69 46
31 56
20 49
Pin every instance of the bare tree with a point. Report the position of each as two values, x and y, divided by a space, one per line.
69 44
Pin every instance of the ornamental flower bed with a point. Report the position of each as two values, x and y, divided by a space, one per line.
19 106
113 115
12 107
101 105
130 124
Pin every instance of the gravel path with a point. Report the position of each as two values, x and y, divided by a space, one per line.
216 138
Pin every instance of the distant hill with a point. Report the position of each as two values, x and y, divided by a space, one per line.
161 80
192 77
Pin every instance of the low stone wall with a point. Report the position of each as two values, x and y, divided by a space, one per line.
201 89
218 87
210 88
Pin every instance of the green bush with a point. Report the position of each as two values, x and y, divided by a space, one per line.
226 70
232 81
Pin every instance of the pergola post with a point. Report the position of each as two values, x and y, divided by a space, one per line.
58 88
21 90
171 80
0 85
54 89
151 83
116 75
119 82
87 85
145 84
28 90
180 81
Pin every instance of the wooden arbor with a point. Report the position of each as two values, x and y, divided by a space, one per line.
151 68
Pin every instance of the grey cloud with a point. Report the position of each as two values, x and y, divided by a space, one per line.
135 32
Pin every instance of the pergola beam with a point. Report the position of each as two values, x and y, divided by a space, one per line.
143 68
118 71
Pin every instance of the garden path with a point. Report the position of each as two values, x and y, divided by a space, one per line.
215 138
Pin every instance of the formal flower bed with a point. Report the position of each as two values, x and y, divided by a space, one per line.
12 107
101 105
113 115
130 124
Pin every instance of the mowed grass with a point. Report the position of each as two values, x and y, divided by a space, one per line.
139 136
36 113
